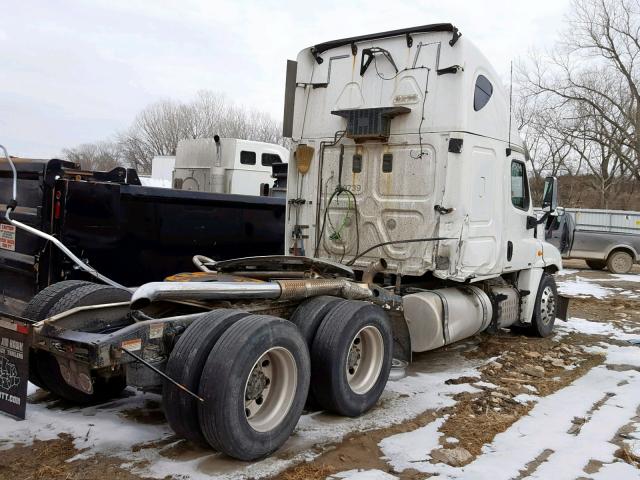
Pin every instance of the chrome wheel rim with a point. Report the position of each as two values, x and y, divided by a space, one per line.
270 389
364 360
547 306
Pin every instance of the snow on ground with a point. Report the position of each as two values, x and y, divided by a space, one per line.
580 325
606 398
112 429
566 271
363 475
583 288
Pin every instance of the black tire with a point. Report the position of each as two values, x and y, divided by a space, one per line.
225 380
620 262
92 294
47 365
38 308
331 351
310 313
596 264
185 365
545 308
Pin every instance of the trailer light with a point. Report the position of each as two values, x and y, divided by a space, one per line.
303 156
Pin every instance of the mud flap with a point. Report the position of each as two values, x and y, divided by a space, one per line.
15 340
563 308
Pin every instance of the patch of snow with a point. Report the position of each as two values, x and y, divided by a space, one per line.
31 388
531 388
546 427
580 325
616 471
582 288
484 384
363 475
627 278
405 449
566 271
452 440
526 398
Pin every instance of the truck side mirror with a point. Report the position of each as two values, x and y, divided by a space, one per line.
550 195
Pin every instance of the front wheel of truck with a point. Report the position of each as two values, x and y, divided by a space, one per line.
254 386
545 308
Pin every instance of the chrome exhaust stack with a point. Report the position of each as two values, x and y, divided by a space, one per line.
278 290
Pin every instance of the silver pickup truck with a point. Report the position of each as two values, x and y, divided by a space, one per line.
603 238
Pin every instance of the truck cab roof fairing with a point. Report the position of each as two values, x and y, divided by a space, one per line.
320 48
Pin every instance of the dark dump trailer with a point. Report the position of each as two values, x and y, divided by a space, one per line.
130 233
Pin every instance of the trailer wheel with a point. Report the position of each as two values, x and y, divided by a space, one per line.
185 365
38 308
351 358
91 294
544 311
310 313
254 386
47 366
620 262
596 264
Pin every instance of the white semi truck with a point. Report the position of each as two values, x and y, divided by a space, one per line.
410 226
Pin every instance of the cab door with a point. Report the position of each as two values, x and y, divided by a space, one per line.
520 246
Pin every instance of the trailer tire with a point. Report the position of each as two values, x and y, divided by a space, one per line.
620 262
91 294
185 366
310 313
594 264
254 386
351 358
38 308
47 366
545 308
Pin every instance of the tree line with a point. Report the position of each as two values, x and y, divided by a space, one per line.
158 128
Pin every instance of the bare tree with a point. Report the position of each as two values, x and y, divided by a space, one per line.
102 156
594 72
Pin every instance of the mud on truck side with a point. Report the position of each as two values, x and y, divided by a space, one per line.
410 226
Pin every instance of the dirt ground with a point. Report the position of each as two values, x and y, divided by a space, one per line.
511 366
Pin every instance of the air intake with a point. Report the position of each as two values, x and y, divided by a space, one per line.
370 123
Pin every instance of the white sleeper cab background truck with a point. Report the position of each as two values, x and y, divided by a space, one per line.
410 226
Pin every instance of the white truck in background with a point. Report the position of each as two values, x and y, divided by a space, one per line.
410 226
226 165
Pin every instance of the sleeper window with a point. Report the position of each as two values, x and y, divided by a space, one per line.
482 93
519 186
247 158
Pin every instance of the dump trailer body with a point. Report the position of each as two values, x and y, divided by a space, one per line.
133 234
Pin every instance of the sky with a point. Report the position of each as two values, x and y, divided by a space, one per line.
73 72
